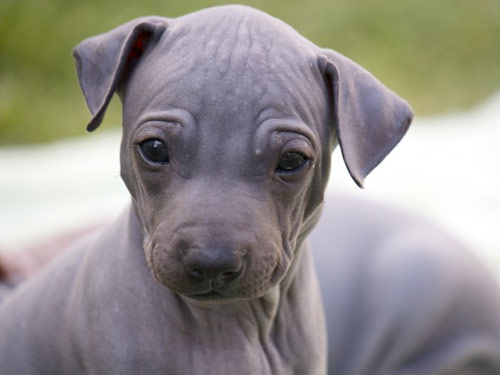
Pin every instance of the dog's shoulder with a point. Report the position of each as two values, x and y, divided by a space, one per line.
391 279
32 318
50 281
374 227
380 243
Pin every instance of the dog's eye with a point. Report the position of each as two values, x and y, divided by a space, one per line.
155 151
290 161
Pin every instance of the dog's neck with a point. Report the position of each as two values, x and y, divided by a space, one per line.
257 326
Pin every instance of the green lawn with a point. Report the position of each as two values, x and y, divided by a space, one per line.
438 54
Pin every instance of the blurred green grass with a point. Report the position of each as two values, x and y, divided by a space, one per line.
439 55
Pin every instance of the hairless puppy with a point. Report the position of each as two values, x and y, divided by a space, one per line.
229 121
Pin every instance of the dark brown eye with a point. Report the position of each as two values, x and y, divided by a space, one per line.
154 151
290 162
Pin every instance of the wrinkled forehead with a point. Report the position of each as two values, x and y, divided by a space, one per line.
242 61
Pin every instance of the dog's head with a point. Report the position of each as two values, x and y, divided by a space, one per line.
229 120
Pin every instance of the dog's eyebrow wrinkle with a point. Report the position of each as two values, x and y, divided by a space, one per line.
173 116
284 125
264 114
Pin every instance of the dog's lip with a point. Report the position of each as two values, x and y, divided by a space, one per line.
211 295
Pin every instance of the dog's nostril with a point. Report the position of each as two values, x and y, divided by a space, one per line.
216 266
196 273
227 276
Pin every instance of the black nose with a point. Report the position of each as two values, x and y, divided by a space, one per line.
219 266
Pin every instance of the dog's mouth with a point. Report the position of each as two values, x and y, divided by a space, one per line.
211 296
257 274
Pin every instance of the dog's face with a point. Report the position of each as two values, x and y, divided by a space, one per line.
219 153
228 128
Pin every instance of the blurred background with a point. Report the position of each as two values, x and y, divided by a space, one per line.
442 56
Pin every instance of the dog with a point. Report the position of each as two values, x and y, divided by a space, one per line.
229 121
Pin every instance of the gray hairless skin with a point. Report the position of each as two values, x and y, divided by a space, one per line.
229 120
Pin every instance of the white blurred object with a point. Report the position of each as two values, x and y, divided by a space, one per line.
52 188
447 168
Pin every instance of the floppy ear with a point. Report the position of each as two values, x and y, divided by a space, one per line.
103 60
370 119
